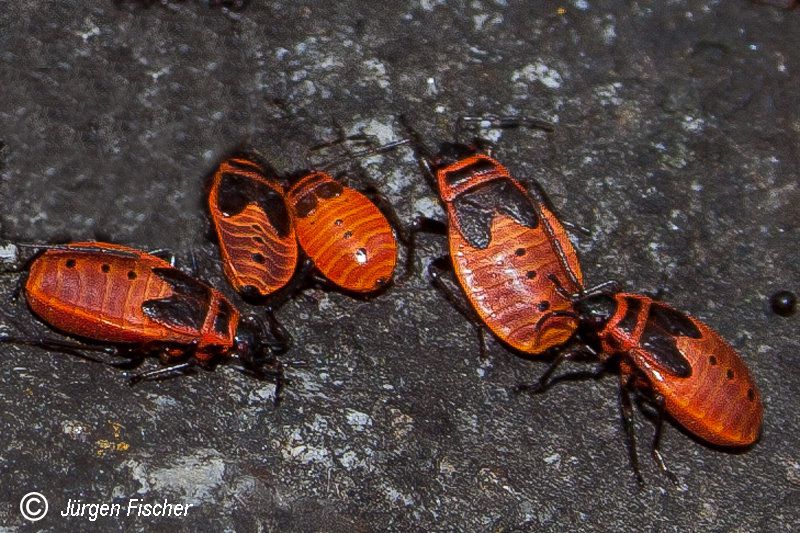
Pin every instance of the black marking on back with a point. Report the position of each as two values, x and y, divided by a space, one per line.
304 205
329 189
188 305
673 321
223 319
476 208
663 325
455 177
237 191
628 322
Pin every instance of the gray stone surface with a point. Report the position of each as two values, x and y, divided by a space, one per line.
677 144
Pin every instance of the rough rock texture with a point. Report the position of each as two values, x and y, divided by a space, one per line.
676 144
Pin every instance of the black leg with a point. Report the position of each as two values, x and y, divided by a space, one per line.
576 228
271 370
58 346
164 254
187 353
162 372
505 122
567 354
356 139
421 152
421 225
541 200
129 358
441 273
657 457
626 406
304 277
193 263
279 338
133 359
350 155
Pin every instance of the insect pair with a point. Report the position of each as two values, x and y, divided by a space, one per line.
516 273
130 303
262 227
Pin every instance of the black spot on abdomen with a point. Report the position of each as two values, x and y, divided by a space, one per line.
476 208
186 307
237 191
457 177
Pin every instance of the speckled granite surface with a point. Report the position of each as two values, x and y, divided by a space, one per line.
677 145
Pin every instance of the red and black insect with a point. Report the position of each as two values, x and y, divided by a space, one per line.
134 304
513 261
686 368
252 225
344 234
262 226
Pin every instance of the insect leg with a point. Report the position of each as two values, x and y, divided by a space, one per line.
567 354
280 340
504 122
421 225
269 370
351 155
441 272
626 383
657 457
59 346
79 350
165 254
161 372
421 152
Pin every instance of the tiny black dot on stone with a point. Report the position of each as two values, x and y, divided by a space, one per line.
258 258
131 274
712 360
70 263
255 227
337 222
751 395
730 374
258 239
348 234
106 268
530 274
544 305
519 252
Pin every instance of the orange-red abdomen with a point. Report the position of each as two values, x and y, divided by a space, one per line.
346 236
255 232
705 384
511 255
111 293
